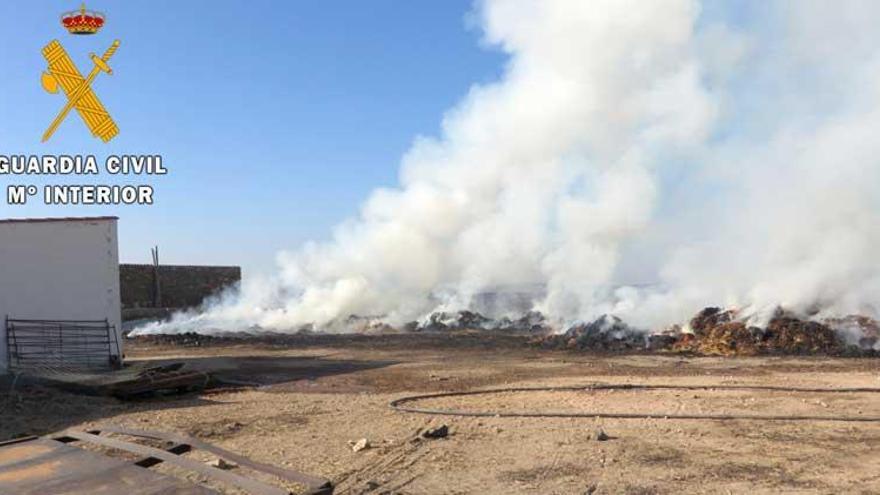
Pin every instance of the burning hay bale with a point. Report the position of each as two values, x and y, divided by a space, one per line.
664 340
789 335
186 339
723 338
709 318
533 322
712 331
463 320
607 333
858 330
367 325
717 332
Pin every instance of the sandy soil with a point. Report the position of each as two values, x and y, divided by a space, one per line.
318 396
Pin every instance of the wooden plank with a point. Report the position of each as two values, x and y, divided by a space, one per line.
308 480
254 486
43 466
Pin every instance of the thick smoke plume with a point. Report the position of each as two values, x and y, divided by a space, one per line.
641 159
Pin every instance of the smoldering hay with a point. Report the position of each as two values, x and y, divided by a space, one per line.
639 159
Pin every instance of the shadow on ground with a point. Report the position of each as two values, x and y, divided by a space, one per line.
270 370
32 406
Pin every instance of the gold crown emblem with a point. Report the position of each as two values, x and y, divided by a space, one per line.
82 21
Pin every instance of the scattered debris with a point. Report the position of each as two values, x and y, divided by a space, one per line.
600 436
438 378
219 463
221 429
159 379
157 370
439 432
360 445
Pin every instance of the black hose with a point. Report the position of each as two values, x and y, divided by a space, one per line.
397 404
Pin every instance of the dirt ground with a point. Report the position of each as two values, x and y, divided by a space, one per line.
317 395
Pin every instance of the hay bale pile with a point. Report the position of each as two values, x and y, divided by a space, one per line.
712 331
532 322
720 333
607 333
790 335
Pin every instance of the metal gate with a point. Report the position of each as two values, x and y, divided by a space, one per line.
61 344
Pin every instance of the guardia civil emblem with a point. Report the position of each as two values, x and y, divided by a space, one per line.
78 89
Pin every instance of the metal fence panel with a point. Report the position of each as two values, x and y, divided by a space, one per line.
60 344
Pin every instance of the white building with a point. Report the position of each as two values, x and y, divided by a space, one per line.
59 269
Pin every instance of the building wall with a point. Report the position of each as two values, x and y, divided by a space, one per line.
181 286
65 269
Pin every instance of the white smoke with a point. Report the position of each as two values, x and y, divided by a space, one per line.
794 219
724 162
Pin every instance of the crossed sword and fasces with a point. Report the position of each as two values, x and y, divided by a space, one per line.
50 83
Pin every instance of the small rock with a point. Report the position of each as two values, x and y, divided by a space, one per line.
439 432
600 435
221 464
591 489
360 445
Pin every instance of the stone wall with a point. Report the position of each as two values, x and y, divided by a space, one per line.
181 286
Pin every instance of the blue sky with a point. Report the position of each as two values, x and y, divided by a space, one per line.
274 118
